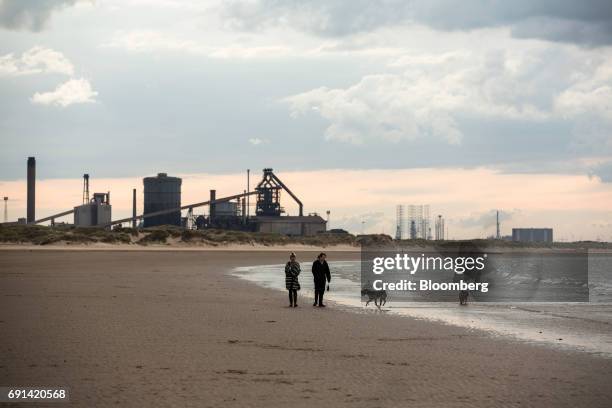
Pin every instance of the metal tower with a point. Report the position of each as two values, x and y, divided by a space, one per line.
268 195
400 222
5 209
497 235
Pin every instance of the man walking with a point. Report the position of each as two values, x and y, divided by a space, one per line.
320 273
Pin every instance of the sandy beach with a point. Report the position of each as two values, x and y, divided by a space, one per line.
147 328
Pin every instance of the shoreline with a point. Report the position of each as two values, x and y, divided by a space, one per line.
156 328
568 326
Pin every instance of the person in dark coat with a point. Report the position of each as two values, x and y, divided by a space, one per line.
292 271
321 275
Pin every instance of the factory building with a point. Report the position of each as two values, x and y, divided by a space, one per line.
532 235
96 212
162 193
227 209
291 225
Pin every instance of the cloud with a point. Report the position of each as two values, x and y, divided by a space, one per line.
588 23
603 171
70 92
378 108
29 14
257 141
591 94
36 60
438 96
40 60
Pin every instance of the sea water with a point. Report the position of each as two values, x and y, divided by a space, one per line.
585 326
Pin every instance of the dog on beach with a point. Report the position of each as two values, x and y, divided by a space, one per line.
463 297
378 296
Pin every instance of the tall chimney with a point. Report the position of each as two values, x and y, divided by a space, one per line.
31 206
213 206
134 208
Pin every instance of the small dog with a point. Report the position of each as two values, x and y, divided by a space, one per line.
463 297
378 296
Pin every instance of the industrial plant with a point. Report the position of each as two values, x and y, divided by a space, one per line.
532 235
413 222
163 206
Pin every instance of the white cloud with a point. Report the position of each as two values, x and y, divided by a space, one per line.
257 141
434 93
591 94
37 60
70 92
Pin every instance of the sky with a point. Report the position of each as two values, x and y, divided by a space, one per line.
358 105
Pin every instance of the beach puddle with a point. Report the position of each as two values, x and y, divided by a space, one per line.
577 326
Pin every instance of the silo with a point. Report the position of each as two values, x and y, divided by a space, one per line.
162 193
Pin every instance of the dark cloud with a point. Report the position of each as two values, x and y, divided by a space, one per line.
29 14
587 22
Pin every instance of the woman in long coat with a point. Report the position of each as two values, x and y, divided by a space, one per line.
292 271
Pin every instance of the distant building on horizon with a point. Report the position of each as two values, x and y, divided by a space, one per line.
532 235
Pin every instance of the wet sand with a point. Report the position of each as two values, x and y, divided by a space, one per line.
153 328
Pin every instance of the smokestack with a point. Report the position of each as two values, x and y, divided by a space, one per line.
213 207
244 207
85 188
134 208
31 206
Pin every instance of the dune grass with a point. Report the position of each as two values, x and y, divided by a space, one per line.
171 235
